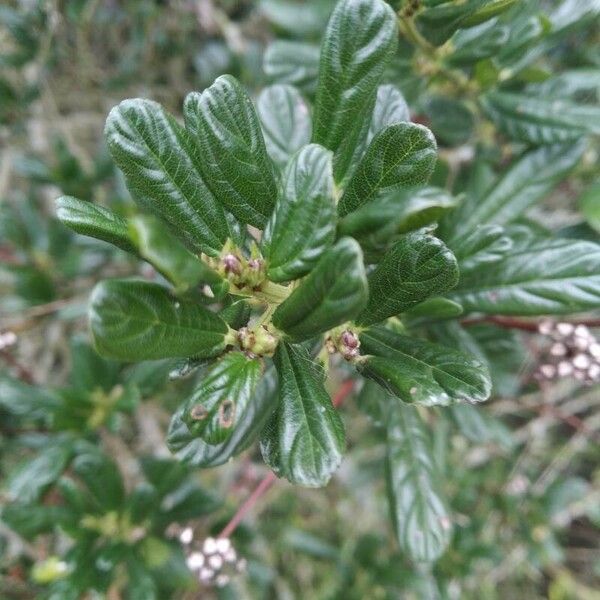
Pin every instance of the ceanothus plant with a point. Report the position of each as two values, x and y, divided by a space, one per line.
289 236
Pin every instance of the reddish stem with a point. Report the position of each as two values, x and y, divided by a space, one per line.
522 324
268 480
22 373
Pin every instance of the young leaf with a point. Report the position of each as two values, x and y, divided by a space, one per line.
160 165
416 267
334 292
302 226
548 277
417 506
162 250
94 221
529 178
138 320
419 372
360 40
285 121
304 439
390 107
213 410
401 155
195 452
235 164
399 211
294 63
541 120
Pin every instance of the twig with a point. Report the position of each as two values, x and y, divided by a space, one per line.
522 324
23 373
268 480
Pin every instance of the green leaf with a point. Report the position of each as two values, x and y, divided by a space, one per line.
589 204
390 107
359 42
401 155
302 226
541 120
27 402
304 439
334 292
213 410
417 505
161 167
235 163
416 267
162 250
285 120
137 320
102 478
420 372
433 309
32 477
477 43
400 211
531 177
195 452
547 277
450 120
294 63
479 427
94 221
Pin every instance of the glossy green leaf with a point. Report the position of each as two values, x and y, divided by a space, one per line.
303 224
541 120
94 221
294 63
304 439
334 292
360 40
400 211
235 163
433 309
529 178
416 267
420 372
197 453
547 277
401 155
213 410
418 508
162 250
286 122
138 320
161 167
390 107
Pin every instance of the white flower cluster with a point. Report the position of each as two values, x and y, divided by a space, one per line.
214 561
574 352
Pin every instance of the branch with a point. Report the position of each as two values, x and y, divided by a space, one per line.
522 324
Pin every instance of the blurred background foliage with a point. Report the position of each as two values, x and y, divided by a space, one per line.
89 490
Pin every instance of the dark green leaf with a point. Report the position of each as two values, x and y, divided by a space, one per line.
26 401
161 165
235 164
477 43
433 309
285 121
102 478
302 20
541 120
213 410
529 178
420 372
303 224
360 40
417 506
90 371
197 453
304 439
95 221
137 320
295 63
547 277
334 292
416 267
450 120
401 155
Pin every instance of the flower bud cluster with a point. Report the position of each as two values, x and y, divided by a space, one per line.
346 342
574 352
214 561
